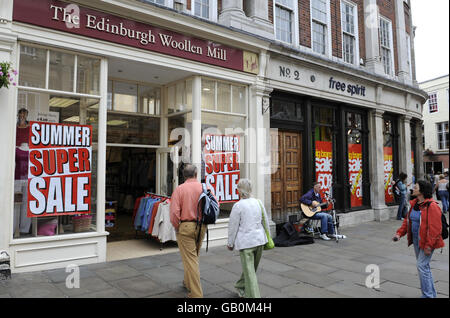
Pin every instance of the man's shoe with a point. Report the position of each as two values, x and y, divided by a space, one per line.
337 236
324 237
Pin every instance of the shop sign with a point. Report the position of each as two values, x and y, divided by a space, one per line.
355 173
351 89
222 171
59 169
324 166
388 174
83 21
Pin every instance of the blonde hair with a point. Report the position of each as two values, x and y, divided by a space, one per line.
441 176
245 188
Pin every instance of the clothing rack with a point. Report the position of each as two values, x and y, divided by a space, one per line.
145 233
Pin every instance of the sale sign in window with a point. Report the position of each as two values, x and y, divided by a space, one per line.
388 174
355 174
222 171
59 169
324 166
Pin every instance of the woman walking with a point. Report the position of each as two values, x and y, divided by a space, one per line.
402 186
423 227
441 190
246 234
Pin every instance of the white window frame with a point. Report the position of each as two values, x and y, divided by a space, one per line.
167 3
435 102
441 131
356 35
294 23
391 42
212 10
328 44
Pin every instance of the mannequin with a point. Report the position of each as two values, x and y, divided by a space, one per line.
21 221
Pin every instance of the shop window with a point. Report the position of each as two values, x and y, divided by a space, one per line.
223 97
286 110
179 96
355 158
125 97
390 138
33 66
61 171
88 78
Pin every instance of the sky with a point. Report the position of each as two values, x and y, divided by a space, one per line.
431 19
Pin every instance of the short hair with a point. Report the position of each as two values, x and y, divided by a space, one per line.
245 188
22 110
403 176
425 188
190 171
316 183
441 176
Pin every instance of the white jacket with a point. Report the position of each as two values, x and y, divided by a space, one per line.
245 228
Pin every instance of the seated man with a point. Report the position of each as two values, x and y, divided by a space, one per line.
313 199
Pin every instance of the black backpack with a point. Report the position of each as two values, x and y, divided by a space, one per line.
209 206
396 190
444 232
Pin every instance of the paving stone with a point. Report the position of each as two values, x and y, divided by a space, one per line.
111 273
38 290
110 293
5 296
218 276
400 290
165 275
354 290
302 290
314 279
314 267
371 259
400 278
348 276
442 265
270 292
442 288
60 275
140 286
144 263
274 280
275 267
87 285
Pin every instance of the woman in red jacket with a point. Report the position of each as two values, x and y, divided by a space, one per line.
423 227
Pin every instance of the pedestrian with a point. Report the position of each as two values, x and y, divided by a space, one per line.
423 227
246 233
441 190
183 216
402 186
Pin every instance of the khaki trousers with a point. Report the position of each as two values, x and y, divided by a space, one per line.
190 249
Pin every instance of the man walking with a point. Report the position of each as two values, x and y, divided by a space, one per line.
183 216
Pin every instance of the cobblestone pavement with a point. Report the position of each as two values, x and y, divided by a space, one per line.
323 269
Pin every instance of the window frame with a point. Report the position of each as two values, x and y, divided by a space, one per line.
294 20
355 35
383 46
433 103
441 131
212 10
327 42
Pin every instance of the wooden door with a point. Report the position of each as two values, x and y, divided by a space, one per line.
286 182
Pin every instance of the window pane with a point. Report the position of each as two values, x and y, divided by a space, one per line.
61 71
223 97
125 97
239 100
149 100
53 109
88 75
33 62
132 129
208 94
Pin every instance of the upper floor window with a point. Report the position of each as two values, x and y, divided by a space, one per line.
442 130
319 25
432 102
349 32
161 2
284 12
201 8
386 45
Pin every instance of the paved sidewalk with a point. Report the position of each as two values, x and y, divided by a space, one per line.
323 269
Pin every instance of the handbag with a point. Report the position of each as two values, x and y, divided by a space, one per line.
270 244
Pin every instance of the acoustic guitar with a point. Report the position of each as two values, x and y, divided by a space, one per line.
310 211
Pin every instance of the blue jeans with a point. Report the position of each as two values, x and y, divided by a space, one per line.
400 212
326 225
425 276
444 199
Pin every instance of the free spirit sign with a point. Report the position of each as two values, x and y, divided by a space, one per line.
78 20
59 169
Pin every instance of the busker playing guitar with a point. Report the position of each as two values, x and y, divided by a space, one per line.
313 201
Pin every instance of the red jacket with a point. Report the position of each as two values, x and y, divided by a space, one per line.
430 231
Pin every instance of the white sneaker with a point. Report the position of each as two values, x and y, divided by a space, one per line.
324 237
338 236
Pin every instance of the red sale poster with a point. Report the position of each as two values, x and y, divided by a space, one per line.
355 173
388 174
222 171
59 169
324 166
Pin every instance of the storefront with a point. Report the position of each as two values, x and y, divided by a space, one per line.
347 130
145 99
